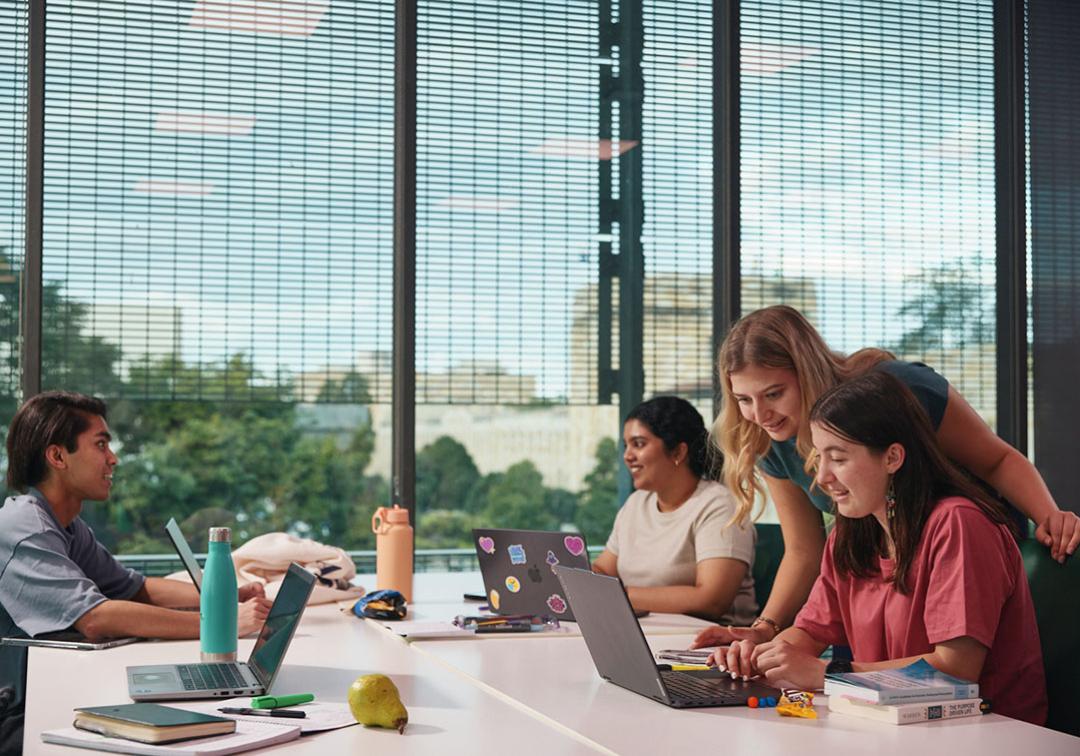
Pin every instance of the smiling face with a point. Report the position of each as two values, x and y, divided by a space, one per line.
651 465
853 475
87 472
769 398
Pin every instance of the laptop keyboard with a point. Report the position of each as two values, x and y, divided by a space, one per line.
210 676
696 688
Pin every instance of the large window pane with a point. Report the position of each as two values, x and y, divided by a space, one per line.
217 255
506 266
867 176
520 159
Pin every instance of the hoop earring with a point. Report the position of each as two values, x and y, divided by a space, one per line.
890 501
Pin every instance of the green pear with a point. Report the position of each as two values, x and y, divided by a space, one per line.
374 701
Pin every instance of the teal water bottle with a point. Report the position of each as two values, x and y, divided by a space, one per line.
218 601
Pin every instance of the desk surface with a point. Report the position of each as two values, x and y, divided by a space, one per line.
540 694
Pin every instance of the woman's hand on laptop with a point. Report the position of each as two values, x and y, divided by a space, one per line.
720 635
737 659
785 664
252 614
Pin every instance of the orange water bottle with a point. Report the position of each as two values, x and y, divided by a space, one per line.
393 550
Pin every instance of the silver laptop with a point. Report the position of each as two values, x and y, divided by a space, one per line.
169 682
72 639
184 552
622 656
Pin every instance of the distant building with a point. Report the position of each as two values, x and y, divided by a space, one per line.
560 439
678 342
144 331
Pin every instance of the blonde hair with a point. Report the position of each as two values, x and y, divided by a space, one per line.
776 337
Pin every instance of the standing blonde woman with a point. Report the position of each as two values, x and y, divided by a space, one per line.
773 366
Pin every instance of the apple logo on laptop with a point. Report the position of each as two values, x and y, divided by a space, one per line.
534 574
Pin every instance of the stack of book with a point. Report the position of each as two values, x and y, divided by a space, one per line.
916 693
150 729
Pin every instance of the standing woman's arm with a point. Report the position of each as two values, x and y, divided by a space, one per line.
967 440
804 540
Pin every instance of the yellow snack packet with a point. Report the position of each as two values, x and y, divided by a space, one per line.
796 703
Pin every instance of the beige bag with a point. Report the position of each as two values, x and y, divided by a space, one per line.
265 559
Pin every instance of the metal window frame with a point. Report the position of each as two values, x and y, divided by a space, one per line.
403 402
1010 223
30 291
726 300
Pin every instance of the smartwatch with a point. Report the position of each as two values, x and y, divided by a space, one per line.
836 666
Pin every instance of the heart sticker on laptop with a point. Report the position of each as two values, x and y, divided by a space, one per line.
575 545
487 544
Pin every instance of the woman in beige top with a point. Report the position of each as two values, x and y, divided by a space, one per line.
672 543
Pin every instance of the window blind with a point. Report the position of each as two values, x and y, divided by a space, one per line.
506 199
218 197
867 176
13 51
677 187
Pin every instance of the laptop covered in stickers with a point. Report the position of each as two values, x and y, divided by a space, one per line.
518 569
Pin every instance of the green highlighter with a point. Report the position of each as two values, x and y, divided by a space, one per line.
273 702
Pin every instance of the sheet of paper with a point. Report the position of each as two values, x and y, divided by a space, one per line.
427 629
321 715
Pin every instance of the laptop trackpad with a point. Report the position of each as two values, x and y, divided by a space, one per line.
153 679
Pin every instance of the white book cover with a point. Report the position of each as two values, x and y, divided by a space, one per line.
248 735
910 713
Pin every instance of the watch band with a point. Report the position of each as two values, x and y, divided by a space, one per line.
837 666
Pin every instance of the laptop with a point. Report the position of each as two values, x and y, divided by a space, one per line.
622 656
184 552
72 639
166 682
518 567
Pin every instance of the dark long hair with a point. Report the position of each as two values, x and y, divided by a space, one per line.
674 421
877 410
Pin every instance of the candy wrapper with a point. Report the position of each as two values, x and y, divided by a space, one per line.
796 703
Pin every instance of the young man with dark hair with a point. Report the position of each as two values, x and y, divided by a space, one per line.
54 574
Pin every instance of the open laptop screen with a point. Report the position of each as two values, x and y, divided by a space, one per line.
277 631
184 552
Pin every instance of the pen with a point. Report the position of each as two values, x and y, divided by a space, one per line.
263 712
688 667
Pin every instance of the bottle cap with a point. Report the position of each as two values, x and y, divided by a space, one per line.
217 535
396 515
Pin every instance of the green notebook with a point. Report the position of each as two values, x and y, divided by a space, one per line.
150 723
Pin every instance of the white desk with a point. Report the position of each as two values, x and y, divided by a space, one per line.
539 693
447 713
557 679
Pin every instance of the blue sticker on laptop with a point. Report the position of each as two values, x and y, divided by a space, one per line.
517 553
552 560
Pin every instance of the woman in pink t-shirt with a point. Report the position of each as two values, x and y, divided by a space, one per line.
921 564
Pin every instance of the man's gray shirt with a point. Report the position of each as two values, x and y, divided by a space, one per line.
49 577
